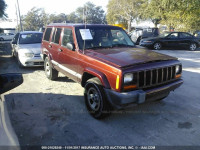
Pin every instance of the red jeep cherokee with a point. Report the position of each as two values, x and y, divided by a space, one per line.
104 60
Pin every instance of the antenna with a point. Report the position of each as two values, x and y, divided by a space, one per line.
85 22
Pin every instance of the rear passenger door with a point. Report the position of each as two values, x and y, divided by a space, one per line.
54 46
68 56
185 39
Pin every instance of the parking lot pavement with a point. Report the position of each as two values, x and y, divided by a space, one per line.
45 112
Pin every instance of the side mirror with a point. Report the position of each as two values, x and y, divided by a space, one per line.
10 81
71 46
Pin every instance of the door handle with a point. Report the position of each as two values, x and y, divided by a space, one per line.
50 46
60 50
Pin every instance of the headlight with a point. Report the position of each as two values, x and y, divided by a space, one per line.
29 54
128 78
178 69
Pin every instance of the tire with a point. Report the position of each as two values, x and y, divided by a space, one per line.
95 99
50 73
1 39
193 46
157 46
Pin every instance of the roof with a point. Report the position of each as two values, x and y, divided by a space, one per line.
79 25
23 32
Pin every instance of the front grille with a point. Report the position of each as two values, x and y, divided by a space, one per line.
38 63
37 55
155 77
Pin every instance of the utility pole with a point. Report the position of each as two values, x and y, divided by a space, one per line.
17 18
20 21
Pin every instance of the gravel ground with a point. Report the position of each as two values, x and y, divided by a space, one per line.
45 112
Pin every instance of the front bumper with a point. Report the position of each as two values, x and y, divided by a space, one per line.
121 100
35 61
146 44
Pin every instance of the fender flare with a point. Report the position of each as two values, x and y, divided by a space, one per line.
95 73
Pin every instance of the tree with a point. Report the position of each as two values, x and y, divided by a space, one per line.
60 18
2 9
124 11
179 14
94 14
35 19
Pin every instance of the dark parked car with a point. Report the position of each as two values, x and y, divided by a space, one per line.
172 39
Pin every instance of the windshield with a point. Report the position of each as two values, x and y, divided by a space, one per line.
30 38
102 37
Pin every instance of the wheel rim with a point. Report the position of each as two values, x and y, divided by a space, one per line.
157 46
47 68
193 47
93 98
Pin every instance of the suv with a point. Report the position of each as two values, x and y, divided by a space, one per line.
104 60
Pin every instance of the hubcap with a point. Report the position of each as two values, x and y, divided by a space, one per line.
47 68
93 99
193 47
157 46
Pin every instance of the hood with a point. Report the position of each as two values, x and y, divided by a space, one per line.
124 57
35 48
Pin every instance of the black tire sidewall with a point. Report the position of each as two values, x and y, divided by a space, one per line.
157 43
47 61
190 46
53 73
103 110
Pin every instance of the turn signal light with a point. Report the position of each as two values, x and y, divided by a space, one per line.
178 76
117 82
128 87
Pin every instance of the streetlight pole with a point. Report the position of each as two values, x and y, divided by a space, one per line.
19 16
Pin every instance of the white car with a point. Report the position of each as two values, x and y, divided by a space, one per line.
6 36
26 47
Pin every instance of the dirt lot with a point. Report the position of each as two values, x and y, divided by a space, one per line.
45 112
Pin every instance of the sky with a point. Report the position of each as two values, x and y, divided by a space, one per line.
50 6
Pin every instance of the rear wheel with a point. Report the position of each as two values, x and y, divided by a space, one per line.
95 99
1 39
50 73
193 46
157 46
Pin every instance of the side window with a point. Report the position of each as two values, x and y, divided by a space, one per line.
173 36
67 37
185 35
56 37
47 34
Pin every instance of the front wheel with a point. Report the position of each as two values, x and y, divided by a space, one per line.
1 39
50 73
193 46
157 46
95 99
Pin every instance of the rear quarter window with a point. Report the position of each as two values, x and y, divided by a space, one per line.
47 34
